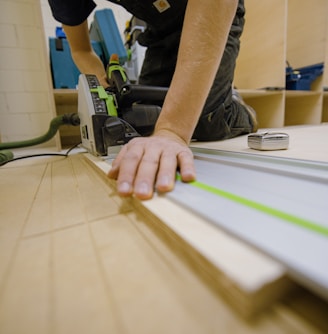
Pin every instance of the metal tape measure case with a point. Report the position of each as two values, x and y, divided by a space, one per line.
268 141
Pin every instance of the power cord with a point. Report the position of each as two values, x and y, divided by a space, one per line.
41 155
66 119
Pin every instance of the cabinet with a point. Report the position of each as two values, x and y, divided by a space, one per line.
278 32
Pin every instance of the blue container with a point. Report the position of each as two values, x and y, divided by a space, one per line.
65 74
302 78
104 29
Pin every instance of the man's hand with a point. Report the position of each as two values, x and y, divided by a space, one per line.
148 163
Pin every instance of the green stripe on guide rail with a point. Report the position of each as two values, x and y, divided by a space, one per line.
312 226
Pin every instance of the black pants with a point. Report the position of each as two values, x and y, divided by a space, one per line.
222 117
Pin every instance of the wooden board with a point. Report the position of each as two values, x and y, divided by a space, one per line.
248 279
76 258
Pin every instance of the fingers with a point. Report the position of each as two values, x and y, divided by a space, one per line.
166 172
168 167
135 169
125 167
146 174
187 167
143 165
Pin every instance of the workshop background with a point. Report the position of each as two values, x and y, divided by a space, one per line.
26 92
280 36
62 250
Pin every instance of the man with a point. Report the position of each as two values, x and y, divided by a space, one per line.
192 49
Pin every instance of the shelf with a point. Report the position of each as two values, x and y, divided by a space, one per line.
269 107
66 103
325 107
262 49
277 31
254 93
303 108
65 96
301 93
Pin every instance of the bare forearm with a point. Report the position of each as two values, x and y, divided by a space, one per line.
89 63
206 27
82 53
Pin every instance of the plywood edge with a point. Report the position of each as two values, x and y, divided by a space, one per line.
249 280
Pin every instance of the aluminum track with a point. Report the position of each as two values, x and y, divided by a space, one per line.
278 205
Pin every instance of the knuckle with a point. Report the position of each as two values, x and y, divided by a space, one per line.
131 155
185 154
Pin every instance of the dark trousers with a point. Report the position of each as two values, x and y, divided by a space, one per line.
222 117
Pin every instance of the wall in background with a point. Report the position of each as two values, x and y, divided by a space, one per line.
26 95
26 99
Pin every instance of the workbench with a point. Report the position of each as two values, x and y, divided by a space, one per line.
77 258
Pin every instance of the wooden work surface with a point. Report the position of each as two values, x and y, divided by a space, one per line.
76 258
305 142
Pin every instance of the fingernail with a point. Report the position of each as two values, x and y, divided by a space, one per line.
124 187
142 188
164 181
188 175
